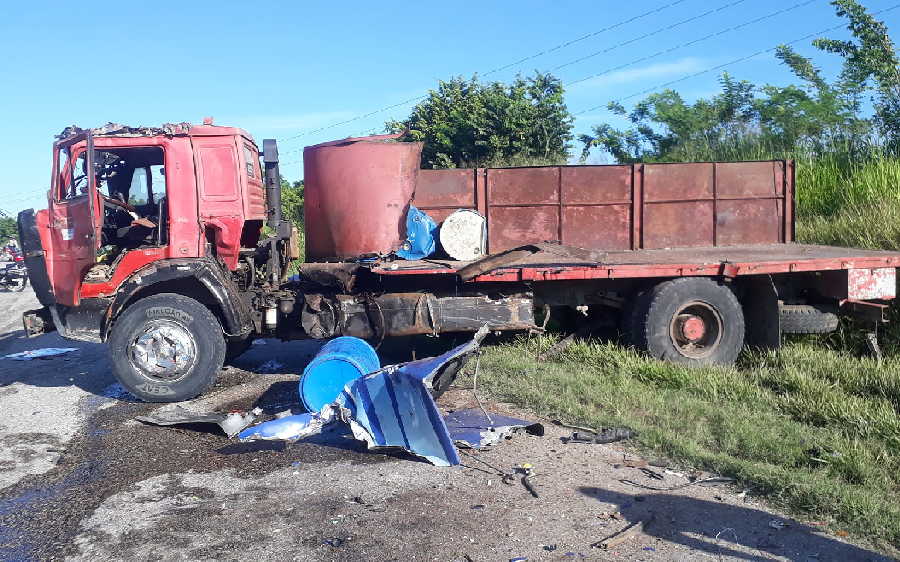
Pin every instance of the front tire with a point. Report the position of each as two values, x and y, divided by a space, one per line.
166 348
691 320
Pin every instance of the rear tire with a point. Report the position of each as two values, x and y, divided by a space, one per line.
166 348
691 320
807 319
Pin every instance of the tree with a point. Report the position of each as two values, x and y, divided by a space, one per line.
469 123
869 56
664 122
292 201
8 230
814 115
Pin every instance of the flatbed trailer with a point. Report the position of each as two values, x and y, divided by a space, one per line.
725 262
154 242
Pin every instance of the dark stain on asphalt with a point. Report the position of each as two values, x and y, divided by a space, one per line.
40 516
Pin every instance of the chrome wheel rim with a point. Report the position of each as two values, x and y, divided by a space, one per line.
164 351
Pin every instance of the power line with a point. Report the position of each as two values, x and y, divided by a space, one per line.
650 34
723 65
611 48
583 37
692 42
498 69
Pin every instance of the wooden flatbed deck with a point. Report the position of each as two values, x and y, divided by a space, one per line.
729 261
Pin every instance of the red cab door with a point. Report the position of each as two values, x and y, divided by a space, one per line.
73 219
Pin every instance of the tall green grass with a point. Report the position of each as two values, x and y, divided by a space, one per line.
832 175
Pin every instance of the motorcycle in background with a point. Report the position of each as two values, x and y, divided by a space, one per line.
14 275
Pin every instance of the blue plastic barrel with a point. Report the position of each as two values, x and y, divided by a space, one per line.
340 361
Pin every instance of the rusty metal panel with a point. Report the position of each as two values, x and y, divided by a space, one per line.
789 203
523 186
678 225
357 193
749 179
438 214
481 191
637 208
748 221
596 184
509 227
678 182
445 188
866 284
604 227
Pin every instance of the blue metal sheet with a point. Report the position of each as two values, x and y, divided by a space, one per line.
472 428
391 407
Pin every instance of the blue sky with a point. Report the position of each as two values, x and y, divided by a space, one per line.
285 69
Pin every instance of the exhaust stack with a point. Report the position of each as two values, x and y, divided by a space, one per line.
273 183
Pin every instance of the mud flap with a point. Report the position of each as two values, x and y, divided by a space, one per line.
761 314
33 252
37 322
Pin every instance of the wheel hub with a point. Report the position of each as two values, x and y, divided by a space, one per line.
164 350
696 329
692 327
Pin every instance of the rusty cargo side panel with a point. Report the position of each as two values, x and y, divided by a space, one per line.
621 207
357 195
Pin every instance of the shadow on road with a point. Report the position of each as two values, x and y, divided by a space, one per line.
716 528
86 368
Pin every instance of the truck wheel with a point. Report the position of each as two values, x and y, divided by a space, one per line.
166 348
692 320
807 319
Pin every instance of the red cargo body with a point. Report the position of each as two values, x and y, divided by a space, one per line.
620 207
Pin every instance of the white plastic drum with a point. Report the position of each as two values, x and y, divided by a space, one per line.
464 234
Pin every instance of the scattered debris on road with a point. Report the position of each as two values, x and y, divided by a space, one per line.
473 429
174 414
527 472
609 435
42 353
270 366
371 406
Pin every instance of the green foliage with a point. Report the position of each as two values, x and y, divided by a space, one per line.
292 201
470 123
813 116
666 128
869 56
8 230
292 210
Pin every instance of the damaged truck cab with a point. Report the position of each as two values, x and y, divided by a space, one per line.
144 244
168 244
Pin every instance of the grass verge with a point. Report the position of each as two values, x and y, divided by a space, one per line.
815 431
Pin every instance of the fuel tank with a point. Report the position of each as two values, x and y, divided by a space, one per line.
357 194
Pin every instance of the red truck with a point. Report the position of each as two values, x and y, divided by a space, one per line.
168 244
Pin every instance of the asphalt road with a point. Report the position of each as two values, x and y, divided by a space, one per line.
81 480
